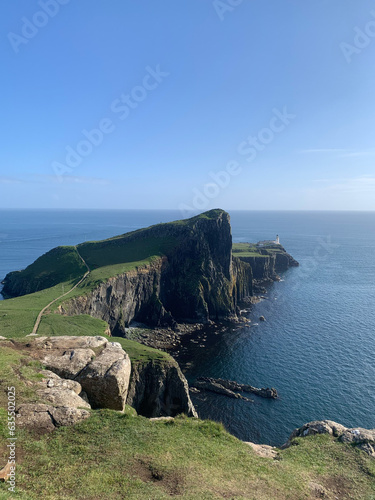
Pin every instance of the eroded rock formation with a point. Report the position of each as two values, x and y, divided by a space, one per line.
103 373
92 372
159 390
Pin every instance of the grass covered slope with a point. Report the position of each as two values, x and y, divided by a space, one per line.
115 456
177 271
121 455
18 315
116 255
56 266
245 250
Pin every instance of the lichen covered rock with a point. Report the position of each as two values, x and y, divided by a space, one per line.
359 437
104 376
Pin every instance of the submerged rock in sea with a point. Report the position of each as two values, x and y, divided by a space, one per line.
228 388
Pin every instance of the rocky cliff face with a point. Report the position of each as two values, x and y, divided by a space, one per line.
196 280
188 274
159 390
122 298
284 261
242 279
263 268
266 266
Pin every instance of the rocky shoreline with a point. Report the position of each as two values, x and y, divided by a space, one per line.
170 339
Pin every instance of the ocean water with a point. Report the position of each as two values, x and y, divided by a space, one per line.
317 346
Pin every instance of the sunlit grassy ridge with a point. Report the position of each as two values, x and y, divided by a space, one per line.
59 265
125 251
246 250
63 267
18 315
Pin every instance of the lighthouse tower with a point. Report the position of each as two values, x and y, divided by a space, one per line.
277 241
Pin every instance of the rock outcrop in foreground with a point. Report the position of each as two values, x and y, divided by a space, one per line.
363 439
91 372
66 405
103 373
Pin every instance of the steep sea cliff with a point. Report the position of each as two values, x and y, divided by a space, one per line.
184 271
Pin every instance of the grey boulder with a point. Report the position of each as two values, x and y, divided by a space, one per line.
104 375
363 439
44 418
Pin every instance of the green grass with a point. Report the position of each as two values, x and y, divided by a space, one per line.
131 249
245 250
251 250
17 318
116 456
15 368
83 325
63 265
113 256
18 315
141 353
56 324
56 266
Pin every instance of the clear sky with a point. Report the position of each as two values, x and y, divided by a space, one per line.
253 104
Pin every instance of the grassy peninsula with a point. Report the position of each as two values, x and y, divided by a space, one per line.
124 455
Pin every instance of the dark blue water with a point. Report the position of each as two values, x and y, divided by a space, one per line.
317 346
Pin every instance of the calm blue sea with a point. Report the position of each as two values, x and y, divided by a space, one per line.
317 346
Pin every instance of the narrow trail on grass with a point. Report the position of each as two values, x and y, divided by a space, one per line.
39 318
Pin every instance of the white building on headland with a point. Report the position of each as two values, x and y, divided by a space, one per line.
269 242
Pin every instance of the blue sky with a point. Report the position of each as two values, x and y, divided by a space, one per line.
202 103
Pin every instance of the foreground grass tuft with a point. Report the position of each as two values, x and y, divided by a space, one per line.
116 456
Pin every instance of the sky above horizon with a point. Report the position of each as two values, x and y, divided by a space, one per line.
188 105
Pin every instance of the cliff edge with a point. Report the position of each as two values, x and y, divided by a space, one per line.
182 271
178 271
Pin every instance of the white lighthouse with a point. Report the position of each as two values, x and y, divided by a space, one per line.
277 241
